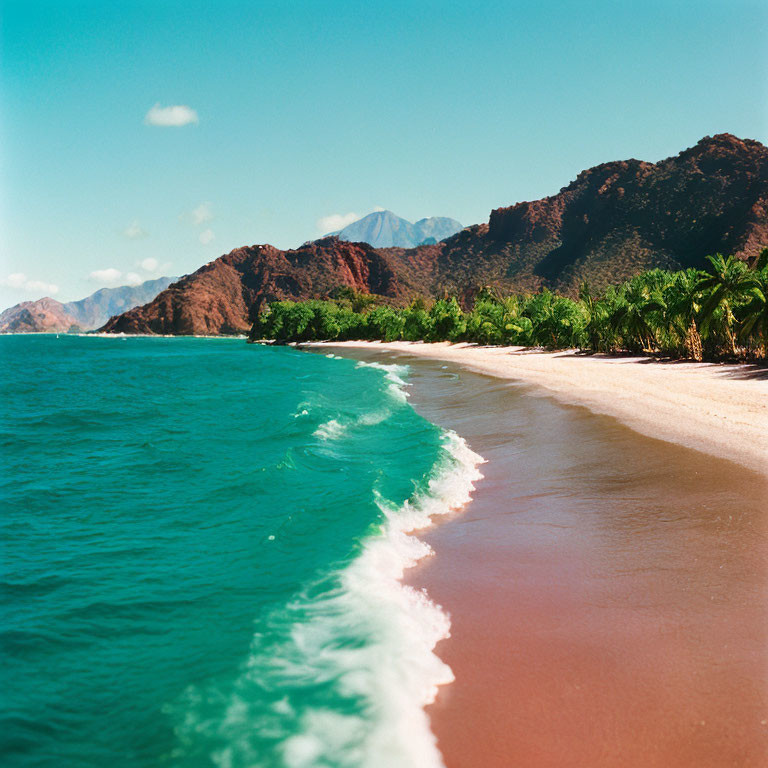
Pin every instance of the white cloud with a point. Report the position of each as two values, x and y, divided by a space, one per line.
206 236
40 287
109 277
202 213
171 117
112 278
198 216
14 280
336 221
20 282
134 231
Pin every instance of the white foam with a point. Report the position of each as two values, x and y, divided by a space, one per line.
399 672
353 661
121 335
330 430
394 374
395 671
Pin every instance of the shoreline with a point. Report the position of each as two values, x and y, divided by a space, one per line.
719 409
605 589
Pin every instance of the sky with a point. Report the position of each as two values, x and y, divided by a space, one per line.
146 138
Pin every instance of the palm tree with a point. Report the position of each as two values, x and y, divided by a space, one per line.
683 302
514 328
726 285
596 316
755 312
637 312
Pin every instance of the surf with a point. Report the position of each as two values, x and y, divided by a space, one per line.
251 526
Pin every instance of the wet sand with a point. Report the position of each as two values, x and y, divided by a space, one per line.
608 591
716 408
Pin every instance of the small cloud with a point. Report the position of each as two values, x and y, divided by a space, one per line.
171 117
131 278
378 209
148 265
206 236
134 231
109 277
20 282
14 280
336 221
202 213
198 216
40 287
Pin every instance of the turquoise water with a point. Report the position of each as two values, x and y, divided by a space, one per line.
202 541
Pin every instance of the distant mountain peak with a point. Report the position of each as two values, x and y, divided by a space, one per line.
385 229
48 315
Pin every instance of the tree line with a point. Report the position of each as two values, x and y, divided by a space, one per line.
717 313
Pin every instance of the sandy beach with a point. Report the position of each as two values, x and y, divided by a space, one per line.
606 585
716 408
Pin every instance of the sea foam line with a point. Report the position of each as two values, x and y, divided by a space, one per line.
397 671
369 639
404 672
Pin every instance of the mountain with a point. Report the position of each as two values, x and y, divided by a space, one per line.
611 222
94 310
383 229
50 316
225 296
42 316
620 218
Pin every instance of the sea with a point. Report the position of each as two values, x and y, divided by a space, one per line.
203 543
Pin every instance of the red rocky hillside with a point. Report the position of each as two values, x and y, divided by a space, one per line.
225 296
611 222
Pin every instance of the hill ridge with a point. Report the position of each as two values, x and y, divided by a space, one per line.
612 221
48 315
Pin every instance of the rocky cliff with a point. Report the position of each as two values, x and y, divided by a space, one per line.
620 218
612 221
224 296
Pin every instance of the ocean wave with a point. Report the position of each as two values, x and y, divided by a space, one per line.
341 676
330 430
395 374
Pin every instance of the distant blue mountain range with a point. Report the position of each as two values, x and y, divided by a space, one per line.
47 315
384 229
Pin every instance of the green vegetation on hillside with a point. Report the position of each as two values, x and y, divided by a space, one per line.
714 314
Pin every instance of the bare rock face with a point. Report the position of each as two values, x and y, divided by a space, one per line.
611 222
42 316
226 295
620 218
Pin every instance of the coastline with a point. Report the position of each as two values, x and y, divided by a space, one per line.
719 409
605 589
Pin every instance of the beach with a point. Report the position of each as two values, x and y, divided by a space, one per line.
607 583
716 408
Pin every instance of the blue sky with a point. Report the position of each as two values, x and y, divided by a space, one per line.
296 112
